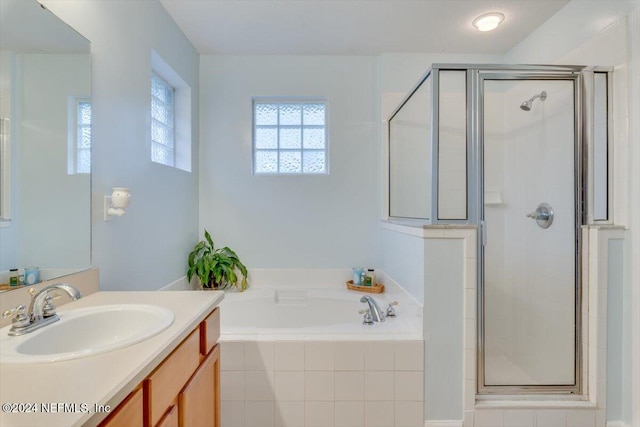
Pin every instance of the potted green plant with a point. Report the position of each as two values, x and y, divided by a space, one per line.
216 268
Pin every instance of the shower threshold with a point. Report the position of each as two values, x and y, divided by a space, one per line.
559 401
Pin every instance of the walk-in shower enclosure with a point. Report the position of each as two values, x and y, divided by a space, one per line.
524 153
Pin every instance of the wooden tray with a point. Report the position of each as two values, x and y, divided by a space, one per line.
375 289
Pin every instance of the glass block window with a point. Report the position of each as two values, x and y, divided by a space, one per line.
162 121
290 137
82 146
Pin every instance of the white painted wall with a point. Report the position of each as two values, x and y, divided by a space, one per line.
631 410
618 334
403 260
444 264
320 221
148 247
6 72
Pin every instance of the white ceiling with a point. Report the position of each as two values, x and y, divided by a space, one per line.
354 26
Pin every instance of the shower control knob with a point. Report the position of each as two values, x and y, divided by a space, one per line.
543 215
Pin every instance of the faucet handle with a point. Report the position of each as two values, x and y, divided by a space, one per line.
49 309
367 320
19 314
15 311
391 312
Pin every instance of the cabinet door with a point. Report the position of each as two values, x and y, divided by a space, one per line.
129 413
209 332
199 401
164 384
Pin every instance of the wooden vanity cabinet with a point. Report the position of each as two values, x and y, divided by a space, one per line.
129 413
184 390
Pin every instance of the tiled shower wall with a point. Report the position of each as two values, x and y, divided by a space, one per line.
322 383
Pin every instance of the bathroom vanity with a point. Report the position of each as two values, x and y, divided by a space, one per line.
169 379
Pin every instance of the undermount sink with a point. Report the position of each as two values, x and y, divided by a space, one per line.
85 332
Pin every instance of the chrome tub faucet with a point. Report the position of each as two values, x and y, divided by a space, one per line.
375 314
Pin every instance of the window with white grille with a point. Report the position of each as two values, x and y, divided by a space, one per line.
290 137
162 121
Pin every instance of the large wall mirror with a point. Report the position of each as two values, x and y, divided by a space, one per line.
45 149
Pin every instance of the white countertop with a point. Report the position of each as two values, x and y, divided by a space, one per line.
103 379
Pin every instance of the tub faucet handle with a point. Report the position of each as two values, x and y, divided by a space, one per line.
391 312
367 320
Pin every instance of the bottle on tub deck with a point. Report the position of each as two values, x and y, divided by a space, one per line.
370 277
14 277
358 275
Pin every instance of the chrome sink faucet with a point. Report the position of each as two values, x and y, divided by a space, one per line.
377 315
41 312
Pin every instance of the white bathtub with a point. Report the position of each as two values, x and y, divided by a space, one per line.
313 314
299 352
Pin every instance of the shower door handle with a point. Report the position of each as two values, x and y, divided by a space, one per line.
543 215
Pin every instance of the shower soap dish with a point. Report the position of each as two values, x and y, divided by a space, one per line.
375 289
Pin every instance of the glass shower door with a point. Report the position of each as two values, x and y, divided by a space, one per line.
528 336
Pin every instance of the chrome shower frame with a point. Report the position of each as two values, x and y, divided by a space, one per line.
575 76
476 74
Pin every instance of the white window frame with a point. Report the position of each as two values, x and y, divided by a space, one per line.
74 134
181 113
285 101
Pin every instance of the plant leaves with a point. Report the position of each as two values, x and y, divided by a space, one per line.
208 237
216 266
231 275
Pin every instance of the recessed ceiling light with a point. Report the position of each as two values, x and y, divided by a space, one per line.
488 21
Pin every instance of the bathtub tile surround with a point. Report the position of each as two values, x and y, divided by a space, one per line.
321 366
331 384
319 414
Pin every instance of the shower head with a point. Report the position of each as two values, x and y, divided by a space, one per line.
526 105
